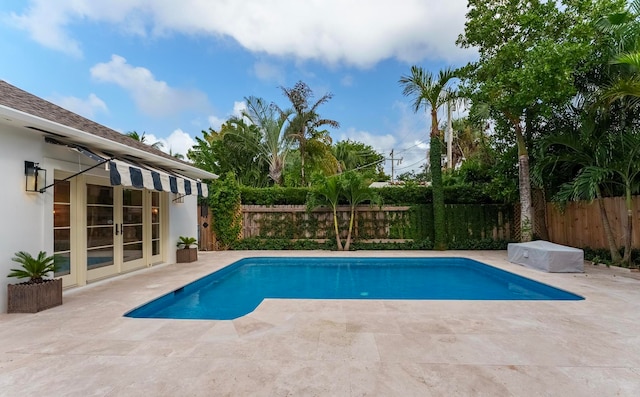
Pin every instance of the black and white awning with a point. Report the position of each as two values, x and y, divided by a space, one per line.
139 176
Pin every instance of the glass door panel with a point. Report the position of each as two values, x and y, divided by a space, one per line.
62 227
155 228
132 229
100 231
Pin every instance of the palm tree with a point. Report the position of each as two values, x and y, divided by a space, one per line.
34 268
624 28
600 159
351 155
304 126
143 139
272 143
176 155
356 190
430 91
327 191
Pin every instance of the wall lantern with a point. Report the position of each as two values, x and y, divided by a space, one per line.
36 177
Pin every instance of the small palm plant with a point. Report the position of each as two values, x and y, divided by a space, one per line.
186 242
33 268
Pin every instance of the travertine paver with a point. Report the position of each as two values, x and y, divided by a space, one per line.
331 348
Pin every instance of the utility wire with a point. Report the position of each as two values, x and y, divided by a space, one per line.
411 165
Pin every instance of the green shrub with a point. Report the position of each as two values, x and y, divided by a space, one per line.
409 194
256 243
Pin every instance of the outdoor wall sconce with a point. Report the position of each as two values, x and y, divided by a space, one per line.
36 177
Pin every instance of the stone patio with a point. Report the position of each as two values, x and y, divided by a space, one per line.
331 348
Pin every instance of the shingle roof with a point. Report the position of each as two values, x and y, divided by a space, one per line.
23 101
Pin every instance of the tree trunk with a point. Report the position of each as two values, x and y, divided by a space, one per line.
524 182
352 215
435 158
540 212
302 183
335 225
613 249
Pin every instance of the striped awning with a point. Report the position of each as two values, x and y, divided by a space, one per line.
139 175
143 176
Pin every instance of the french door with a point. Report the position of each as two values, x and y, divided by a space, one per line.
101 230
103 210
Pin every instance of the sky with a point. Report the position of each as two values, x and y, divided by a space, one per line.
172 69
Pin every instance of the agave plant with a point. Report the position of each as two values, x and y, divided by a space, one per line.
33 268
186 242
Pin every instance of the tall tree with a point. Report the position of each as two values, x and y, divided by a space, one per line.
307 121
431 92
273 144
223 151
530 53
600 159
353 155
624 29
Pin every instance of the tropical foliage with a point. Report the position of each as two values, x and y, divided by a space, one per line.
351 187
431 92
143 139
552 107
35 269
305 126
186 242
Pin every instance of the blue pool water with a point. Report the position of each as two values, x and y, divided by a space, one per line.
238 289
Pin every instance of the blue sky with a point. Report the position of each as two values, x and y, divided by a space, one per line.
174 68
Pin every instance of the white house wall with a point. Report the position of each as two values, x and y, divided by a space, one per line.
27 218
183 221
21 213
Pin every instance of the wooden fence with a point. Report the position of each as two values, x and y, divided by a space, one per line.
295 222
580 223
577 225
379 224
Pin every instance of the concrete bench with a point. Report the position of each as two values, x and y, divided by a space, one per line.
546 256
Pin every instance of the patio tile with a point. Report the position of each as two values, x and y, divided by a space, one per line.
330 347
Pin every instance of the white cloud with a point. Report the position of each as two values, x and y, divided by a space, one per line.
153 97
408 139
179 142
268 72
84 107
347 80
238 108
215 122
45 22
330 31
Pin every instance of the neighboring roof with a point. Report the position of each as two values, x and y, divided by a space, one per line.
14 98
395 183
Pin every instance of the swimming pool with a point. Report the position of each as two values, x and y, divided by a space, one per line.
238 289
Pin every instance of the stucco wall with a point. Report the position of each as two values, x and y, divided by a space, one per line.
21 213
183 221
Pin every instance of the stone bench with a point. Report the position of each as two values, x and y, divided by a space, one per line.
546 256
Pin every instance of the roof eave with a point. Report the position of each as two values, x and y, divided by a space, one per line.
97 142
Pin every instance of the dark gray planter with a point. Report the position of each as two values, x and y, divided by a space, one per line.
186 255
32 298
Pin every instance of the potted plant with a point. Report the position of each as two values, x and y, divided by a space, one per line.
187 250
39 293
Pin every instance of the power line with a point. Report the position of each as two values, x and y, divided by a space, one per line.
411 165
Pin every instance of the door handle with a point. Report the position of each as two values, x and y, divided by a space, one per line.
116 229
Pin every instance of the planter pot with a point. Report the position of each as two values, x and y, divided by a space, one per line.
186 255
32 298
